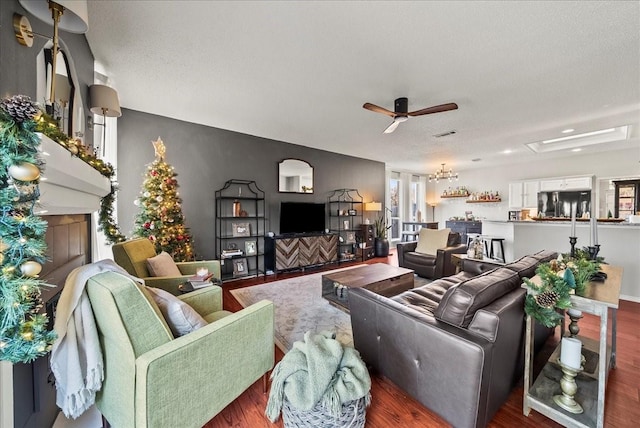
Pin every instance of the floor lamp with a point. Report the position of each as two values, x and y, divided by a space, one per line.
104 102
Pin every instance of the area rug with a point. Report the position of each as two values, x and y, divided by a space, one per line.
299 307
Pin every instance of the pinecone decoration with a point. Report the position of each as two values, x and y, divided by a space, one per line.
547 299
19 107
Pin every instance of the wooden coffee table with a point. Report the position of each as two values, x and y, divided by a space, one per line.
380 278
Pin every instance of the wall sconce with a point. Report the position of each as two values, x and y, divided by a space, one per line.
68 15
104 102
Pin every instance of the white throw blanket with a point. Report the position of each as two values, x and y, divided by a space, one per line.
76 358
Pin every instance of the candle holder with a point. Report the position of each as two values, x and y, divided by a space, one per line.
593 251
569 389
574 329
573 240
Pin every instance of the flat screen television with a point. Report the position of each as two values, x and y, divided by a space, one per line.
301 217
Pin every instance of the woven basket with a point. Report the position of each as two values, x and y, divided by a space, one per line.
352 416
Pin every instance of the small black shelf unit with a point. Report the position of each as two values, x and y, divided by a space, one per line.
241 224
346 214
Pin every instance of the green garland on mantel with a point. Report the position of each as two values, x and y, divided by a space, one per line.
48 126
558 280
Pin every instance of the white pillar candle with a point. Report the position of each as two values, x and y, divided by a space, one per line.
574 313
570 352
595 231
573 220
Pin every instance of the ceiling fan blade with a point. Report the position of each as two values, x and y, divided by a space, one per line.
392 127
377 109
434 109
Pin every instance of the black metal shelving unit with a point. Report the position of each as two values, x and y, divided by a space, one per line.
241 224
346 213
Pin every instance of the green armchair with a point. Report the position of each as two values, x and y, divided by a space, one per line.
153 380
132 255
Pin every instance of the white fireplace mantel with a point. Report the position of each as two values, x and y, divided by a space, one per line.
68 185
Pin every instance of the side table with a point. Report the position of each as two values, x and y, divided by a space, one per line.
538 393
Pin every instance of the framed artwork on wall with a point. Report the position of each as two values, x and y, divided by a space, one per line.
240 229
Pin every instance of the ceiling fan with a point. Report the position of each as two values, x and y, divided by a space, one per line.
401 113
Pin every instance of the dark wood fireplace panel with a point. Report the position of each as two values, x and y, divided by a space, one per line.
68 241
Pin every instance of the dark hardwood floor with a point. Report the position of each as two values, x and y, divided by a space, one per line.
390 406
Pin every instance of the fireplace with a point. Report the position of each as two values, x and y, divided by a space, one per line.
70 191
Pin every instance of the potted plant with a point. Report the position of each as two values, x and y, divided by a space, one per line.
381 242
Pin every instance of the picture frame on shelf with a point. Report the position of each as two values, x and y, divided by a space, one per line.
351 238
352 212
240 229
250 248
240 267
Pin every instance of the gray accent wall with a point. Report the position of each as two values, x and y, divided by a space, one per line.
205 158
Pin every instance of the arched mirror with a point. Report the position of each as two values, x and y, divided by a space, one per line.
295 176
67 107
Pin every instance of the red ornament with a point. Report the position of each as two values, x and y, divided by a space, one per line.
146 225
180 237
154 173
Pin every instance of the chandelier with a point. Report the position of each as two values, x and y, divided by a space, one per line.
442 174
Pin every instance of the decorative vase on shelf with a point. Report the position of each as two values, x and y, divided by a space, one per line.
236 208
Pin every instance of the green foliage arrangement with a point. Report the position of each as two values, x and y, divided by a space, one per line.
558 280
382 225
23 330
106 223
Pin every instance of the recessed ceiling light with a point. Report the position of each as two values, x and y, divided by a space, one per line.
576 150
568 130
506 152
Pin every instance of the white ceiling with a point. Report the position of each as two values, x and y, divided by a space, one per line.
299 72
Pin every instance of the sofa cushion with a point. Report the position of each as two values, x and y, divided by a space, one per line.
182 318
430 240
460 302
420 258
545 255
163 265
525 266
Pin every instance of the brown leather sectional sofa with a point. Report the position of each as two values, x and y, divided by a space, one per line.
455 344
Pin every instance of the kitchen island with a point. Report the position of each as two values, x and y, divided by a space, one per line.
619 243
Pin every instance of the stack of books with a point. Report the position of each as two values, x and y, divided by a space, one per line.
200 281
226 254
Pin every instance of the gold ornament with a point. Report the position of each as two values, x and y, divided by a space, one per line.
30 268
24 171
73 149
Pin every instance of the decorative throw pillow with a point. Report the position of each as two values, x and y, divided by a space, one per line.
163 265
182 318
429 240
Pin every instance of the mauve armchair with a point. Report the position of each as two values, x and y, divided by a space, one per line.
132 256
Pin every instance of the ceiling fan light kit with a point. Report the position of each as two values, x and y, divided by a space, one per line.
401 111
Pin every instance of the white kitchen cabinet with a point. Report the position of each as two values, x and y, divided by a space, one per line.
566 184
524 194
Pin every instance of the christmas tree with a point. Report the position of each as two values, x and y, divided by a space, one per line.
160 218
23 329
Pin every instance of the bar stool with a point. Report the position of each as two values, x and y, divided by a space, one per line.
489 244
471 237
